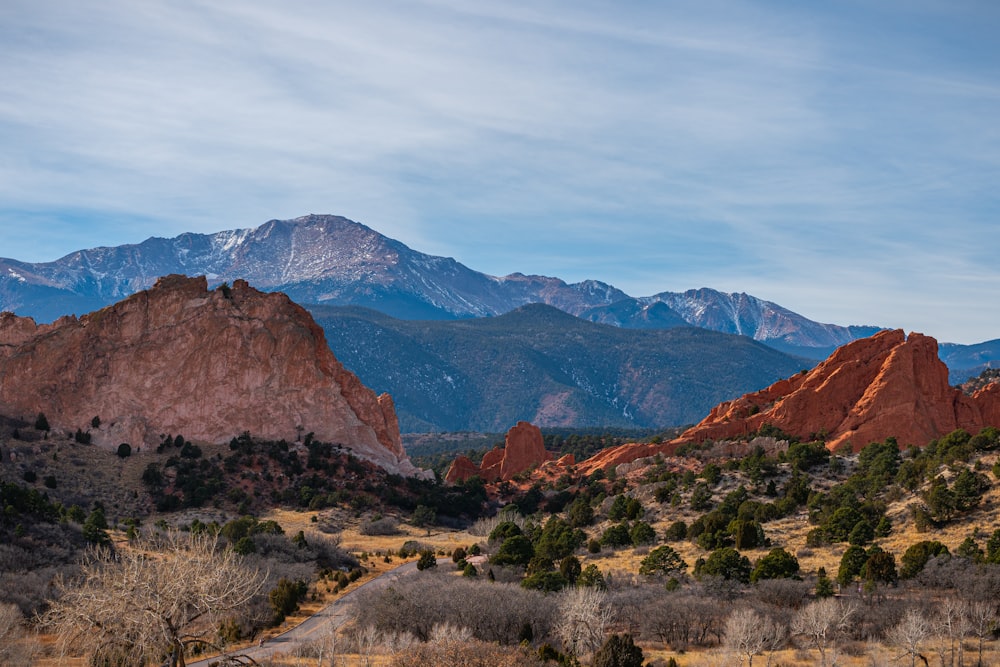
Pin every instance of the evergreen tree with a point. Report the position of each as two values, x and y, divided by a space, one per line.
41 423
824 586
618 651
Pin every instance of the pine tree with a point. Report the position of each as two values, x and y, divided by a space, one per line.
618 651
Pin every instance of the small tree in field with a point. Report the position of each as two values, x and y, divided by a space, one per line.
910 634
819 623
424 517
151 599
662 560
427 560
749 634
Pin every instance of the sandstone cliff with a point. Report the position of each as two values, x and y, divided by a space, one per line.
178 358
523 449
870 389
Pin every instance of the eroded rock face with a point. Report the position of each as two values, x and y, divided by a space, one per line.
210 365
870 389
461 469
523 449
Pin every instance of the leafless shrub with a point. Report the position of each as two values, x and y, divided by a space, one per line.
324 648
494 612
448 632
945 572
395 642
630 605
319 550
327 524
483 527
471 653
719 588
682 620
382 526
873 619
17 648
31 590
980 583
782 593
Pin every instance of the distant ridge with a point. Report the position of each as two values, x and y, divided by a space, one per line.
330 260
539 364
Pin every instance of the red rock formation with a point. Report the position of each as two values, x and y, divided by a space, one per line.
461 469
867 390
523 449
614 456
180 359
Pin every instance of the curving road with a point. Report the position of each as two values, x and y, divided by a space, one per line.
334 614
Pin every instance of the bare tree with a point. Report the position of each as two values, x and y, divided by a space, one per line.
493 612
583 617
328 642
16 647
982 617
395 642
366 639
324 647
749 634
910 634
151 598
443 632
820 621
951 622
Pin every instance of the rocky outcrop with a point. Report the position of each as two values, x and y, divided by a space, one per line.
523 449
870 389
611 457
461 469
210 365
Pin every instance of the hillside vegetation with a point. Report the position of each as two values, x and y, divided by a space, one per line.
689 558
542 365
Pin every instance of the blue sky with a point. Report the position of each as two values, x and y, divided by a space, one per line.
841 159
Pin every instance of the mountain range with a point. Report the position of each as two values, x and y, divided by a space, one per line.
330 260
364 287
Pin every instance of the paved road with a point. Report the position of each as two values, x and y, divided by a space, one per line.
336 614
